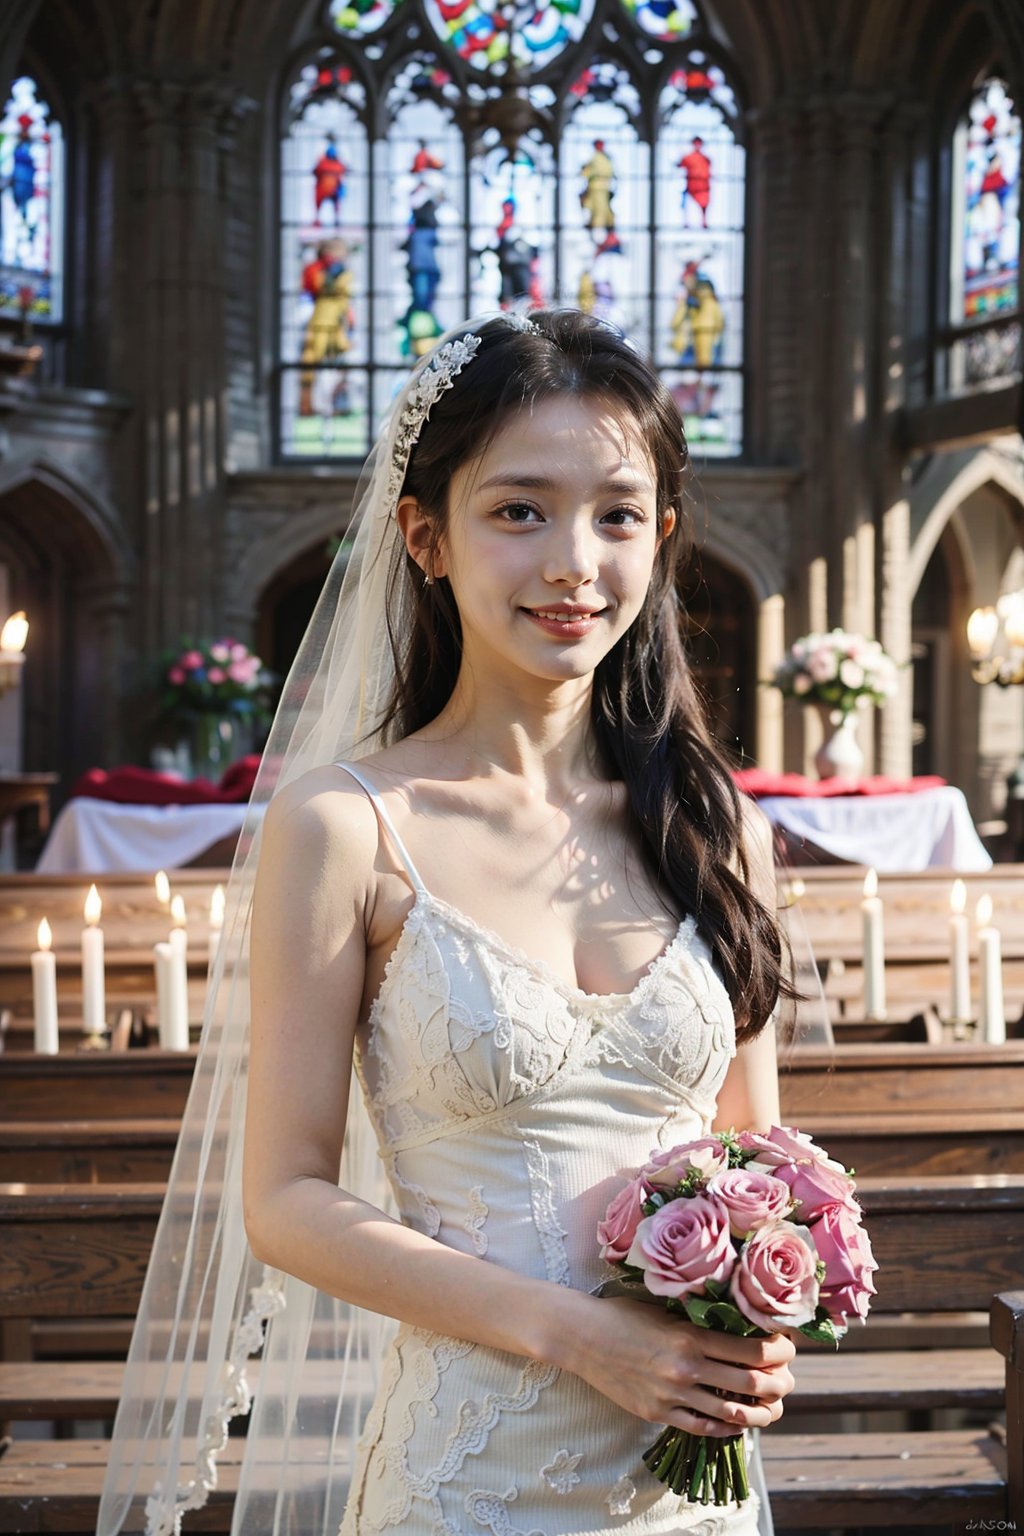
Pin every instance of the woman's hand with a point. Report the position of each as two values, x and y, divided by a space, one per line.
668 1371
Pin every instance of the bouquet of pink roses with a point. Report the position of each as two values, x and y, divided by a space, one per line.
748 1234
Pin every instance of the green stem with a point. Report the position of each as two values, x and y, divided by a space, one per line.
741 1487
697 1470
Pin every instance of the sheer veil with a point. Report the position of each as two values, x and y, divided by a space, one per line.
208 1307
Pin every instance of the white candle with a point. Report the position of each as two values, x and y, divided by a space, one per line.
94 1001
960 975
162 959
163 888
177 1002
216 922
44 992
990 963
874 949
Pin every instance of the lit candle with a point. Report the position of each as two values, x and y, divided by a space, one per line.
162 961
177 1000
874 949
960 977
44 992
163 888
216 921
990 963
94 1002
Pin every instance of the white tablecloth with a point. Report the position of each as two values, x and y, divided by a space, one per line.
101 836
895 833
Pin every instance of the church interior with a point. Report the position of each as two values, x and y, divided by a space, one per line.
228 231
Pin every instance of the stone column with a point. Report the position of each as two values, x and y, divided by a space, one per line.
162 157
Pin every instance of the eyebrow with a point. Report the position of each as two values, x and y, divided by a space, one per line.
543 483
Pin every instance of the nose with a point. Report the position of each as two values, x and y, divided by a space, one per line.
572 556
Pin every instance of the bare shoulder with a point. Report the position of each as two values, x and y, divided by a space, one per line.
322 821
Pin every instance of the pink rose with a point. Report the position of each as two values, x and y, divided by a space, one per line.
845 1250
220 653
664 1170
815 1179
774 1283
682 1246
239 672
191 660
239 652
618 1229
752 1198
216 675
176 675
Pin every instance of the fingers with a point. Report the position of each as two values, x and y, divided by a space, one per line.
777 1349
739 1382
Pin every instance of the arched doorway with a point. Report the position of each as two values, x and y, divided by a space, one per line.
65 567
720 630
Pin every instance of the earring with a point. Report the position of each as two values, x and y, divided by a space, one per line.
428 580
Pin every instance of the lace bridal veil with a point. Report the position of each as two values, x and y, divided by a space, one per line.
208 1306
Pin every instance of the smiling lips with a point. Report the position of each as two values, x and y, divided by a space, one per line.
565 621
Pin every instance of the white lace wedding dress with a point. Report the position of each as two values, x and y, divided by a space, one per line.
510 1107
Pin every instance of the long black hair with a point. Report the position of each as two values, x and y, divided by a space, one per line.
647 718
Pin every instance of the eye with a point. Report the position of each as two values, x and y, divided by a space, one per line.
518 512
624 517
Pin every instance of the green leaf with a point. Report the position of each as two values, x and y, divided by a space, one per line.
821 1332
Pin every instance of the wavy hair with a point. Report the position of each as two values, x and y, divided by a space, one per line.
647 718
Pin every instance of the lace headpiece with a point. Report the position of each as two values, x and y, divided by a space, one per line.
439 374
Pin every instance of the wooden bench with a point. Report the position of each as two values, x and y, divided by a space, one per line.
938 1242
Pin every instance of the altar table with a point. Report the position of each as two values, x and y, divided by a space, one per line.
930 829
103 836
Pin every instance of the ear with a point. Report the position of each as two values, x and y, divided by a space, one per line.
668 523
418 532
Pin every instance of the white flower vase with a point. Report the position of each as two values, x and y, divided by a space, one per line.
839 756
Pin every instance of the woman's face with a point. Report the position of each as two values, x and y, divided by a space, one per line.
551 540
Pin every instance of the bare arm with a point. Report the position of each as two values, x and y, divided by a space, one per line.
313 898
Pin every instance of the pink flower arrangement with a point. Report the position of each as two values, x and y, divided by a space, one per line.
222 677
844 670
748 1233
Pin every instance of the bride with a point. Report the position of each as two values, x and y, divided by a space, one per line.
516 889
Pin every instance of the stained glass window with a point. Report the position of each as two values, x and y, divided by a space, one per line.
605 199
479 30
324 264
31 205
407 206
985 256
699 201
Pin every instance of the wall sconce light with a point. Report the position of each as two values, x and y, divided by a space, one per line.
12 651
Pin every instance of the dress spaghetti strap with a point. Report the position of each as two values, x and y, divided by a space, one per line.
388 826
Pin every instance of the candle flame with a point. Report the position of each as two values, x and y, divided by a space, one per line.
958 897
93 907
163 887
217 906
178 911
983 911
44 935
871 883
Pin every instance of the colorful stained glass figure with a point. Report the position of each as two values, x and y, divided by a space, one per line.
31 205
325 234
360 18
985 268
421 229
605 211
480 30
699 260
666 21
511 236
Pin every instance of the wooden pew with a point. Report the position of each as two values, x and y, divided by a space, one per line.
939 1243
95 1085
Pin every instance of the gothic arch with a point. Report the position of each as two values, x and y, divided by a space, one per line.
266 559
946 484
71 570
